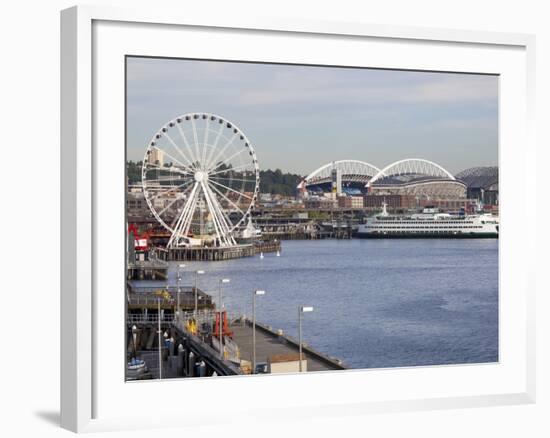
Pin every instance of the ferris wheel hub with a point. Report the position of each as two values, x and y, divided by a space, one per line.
201 176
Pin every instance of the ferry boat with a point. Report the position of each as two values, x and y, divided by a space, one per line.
429 224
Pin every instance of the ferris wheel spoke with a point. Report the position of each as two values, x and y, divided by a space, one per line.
169 190
228 160
188 147
215 145
196 140
168 206
179 150
220 153
175 159
233 190
173 169
169 178
179 198
232 179
205 142
227 199
230 169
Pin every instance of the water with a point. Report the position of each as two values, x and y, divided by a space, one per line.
377 303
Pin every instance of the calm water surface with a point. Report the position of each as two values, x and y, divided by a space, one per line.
378 303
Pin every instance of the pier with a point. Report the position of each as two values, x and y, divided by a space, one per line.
188 354
154 269
271 343
143 299
222 253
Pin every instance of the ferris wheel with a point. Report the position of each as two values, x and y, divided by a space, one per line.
200 179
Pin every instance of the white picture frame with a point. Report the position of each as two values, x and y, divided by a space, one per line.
89 398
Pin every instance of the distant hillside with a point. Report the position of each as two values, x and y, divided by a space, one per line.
278 183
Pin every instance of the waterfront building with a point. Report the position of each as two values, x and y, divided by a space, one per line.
350 202
156 157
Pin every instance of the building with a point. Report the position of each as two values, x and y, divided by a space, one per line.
482 183
319 203
350 202
392 201
157 157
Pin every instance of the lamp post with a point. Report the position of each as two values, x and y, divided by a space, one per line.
256 292
222 281
197 273
134 339
301 309
179 290
159 331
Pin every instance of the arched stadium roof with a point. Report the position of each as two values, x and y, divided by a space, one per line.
414 168
360 171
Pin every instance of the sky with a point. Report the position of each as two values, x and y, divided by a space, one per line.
301 117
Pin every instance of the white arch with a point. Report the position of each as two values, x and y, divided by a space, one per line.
412 165
348 167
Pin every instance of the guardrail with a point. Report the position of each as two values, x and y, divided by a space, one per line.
200 317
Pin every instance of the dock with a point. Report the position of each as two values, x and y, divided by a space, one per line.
192 355
141 300
211 254
153 269
270 343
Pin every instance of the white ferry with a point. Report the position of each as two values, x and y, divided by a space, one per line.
429 224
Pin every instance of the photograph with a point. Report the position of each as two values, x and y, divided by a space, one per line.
293 218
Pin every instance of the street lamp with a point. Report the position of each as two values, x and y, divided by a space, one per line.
159 331
222 281
301 309
256 292
197 273
179 289
134 338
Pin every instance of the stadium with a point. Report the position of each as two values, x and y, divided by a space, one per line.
411 181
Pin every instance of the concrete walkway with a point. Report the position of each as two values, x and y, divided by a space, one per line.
269 344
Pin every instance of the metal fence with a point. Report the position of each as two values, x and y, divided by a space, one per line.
153 318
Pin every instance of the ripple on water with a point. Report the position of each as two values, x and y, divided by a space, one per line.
378 303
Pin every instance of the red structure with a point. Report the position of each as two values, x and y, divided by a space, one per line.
141 241
225 325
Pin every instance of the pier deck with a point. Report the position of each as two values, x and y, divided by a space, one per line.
269 343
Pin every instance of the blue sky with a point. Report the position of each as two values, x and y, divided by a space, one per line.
301 117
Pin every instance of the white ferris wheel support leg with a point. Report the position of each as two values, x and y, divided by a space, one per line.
217 225
191 212
181 219
225 221
184 216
